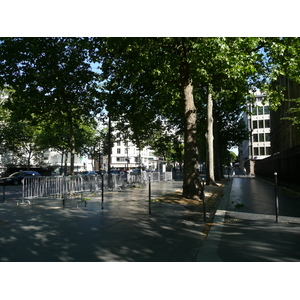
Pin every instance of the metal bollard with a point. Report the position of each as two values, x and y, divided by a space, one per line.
3 200
102 191
149 194
203 198
276 198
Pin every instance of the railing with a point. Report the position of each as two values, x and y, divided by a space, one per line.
62 186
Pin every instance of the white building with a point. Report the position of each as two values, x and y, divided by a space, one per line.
126 155
258 146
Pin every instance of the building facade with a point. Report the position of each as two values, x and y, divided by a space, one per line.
125 155
284 135
257 120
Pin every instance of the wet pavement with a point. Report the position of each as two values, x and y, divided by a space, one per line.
123 231
245 227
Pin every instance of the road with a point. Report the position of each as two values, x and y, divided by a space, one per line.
10 192
249 231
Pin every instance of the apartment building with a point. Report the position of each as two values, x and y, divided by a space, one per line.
257 120
127 155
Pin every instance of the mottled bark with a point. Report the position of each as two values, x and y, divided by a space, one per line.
210 177
191 178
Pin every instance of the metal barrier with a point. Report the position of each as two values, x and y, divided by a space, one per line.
63 186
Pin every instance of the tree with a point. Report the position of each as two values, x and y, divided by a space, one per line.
163 76
22 139
152 77
282 57
52 80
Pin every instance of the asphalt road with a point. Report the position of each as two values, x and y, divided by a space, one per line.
248 231
10 192
122 232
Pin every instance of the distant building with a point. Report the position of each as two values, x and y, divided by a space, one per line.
284 135
257 120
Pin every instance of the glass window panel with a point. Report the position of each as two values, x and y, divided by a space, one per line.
254 124
261 123
254 110
266 109
260 110
268 151
261 150
261 137
268 138
255 137
267 123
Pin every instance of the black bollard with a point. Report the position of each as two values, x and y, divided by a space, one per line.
203 198
3 200
149 194
276 198
102 191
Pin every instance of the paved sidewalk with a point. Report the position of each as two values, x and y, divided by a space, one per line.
245 227
123 231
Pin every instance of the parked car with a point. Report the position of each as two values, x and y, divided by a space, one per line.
89 173
16 178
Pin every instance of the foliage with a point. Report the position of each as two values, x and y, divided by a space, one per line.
52 80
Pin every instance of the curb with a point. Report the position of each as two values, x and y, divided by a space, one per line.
208 251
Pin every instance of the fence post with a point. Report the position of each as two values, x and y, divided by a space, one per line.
102 190
4 184
276 198
149 194
203 198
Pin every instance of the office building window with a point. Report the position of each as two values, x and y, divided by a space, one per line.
261 151
268 138
255 151
266 110
254 124
260 110
261 137
119 150
268 151
118 143
254 110
261 123
267 123
255 137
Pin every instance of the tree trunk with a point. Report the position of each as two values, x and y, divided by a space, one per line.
210 178
191 176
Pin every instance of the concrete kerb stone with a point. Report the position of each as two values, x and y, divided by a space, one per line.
208 251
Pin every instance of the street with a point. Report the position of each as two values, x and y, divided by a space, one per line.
248 231
10 192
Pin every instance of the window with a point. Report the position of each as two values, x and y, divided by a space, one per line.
255 151
268 151
120 158
254 110
267 123
255 137
266 109
261 150
254 124
119 150
260 110
261 123
118 143
261 137
268 138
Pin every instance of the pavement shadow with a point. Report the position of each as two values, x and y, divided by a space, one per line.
122 232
